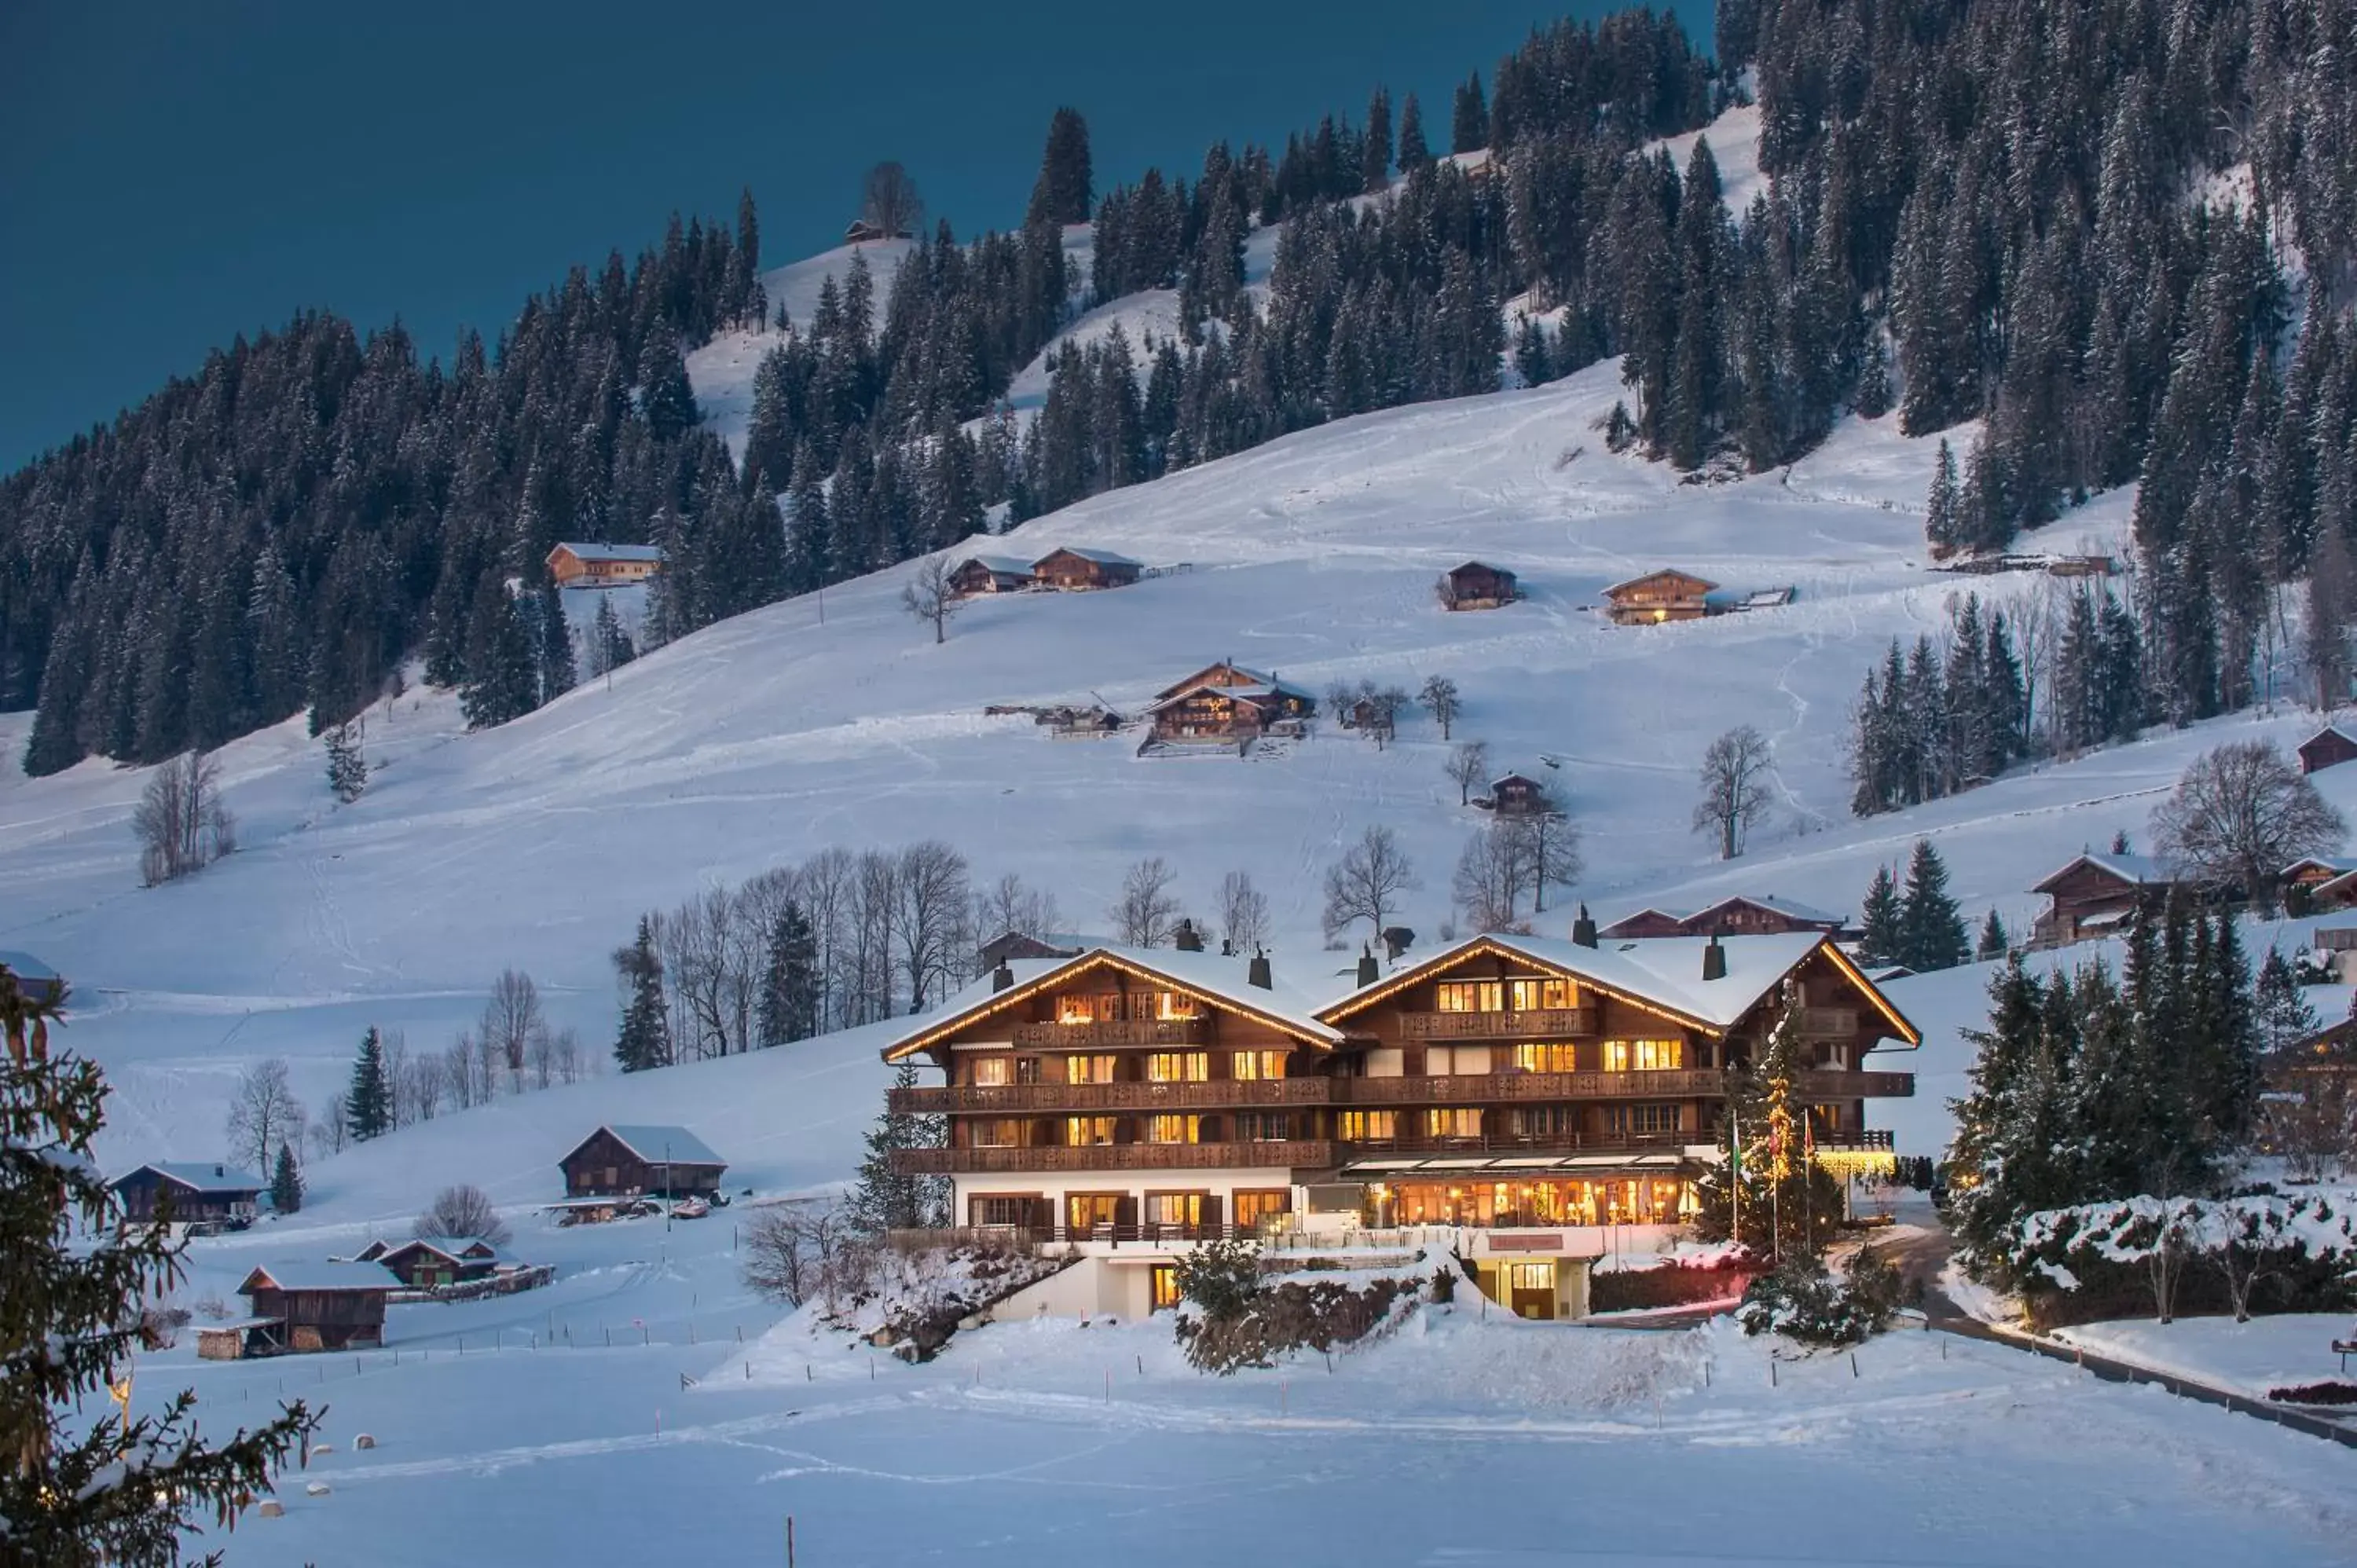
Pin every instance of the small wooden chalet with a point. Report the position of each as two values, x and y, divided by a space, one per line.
866 231
1071 570
576 564
2306 881
1477 585
641 1161
424 1261
2328 748
1227 702
320 1306
40 984
2095 896
1519 795
190 1193
990 575
1744 915
1666 594
1011 945
1645 922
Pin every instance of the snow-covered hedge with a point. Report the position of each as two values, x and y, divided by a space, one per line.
2261 1253
1804 1303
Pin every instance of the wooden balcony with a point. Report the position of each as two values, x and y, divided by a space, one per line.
1523 1088
1828 1022
1416 1141
1078 1097
1834 1083
1551 1023
1115 1032
1285 1154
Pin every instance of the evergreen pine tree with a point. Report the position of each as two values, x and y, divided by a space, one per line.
665 397
556 667
78 1492
1942 527
368 1102
1470 127
347 771
1994 942
885 1200
286 1182
1883 920
1375 145
1415 152
645 1039
790 984
1065 188
2283 1019
1933 932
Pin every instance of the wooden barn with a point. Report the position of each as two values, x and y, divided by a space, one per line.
2096 895
1477 585
40 985
1645 922
192 1192
1008 945
1072 569
641 1161
990 575
1519 795
2328 748
1227 702
574 564
1747 915
1657 596
424 1261
321 1306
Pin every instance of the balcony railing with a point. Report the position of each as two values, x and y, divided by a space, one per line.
1821 1023
1116 1031
1464 1088
1552 1022
1141 1096
1303 1152
1415 1141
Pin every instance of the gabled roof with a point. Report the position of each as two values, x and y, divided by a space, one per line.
24 966
588 551
1004 565
1479 566
322 1276
1664 973
2335 865
1206 676
1101 557
455 1249
1788 906
1215 978
200 1175
2328 730
2140 869
1265 692
1516 777
655 1143
1704 584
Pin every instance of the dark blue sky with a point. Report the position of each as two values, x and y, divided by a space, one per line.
172 174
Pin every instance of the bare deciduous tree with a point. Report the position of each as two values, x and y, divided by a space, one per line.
1244 913
934 898
1010 907
459 1070
422 1086
263 1114
512 1023
462 1210
181 820
796 1250
1467 764
1487 882
1439 696
1734 788
2241 815
889 199
327 1134
929 594
1148 912
1546 846
1368 882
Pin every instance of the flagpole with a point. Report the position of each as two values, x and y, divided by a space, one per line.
1735 1169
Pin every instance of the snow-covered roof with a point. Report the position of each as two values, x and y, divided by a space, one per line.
658 1144
238 1324
1260 692
1662 971
24 966
1102 557
1480 566
2141 869
1790 906
595 551
200 1175
2330 729
1006 565
454 1248
322 1276
1706 586
1220 978
2338 864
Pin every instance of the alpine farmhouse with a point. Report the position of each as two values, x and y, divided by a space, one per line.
1545 1101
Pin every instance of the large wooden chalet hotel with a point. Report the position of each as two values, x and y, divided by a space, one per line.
1551 1100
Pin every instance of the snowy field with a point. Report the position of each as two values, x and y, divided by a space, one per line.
2292 1350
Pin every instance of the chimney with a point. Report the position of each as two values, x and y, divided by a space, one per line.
1368 973
1186 939
1258 974
1714 959
220 1172
1583 930
1002 977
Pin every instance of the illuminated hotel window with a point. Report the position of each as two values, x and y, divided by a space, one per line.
1259 1064
1642 1118
1546 1058
1366 1126
998 1134
1644 1056
1172 1004
1081 1132
1179 1067
1166 1286
1533 1277
1173 1129
1174 1209
1452 1122
1075 1009
1251 1207
1536 995
1471 997
1084 1211
990 1073
1088 1069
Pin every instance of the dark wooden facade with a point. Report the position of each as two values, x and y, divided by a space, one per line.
989 574
1518 795
1645 922
606 1167
192 1195
1227 702
423 1262
2095 896
1477 585
1073 570
1658 596
317 1316
2328 748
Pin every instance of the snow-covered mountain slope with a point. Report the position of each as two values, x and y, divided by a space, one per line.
721 372
810 725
